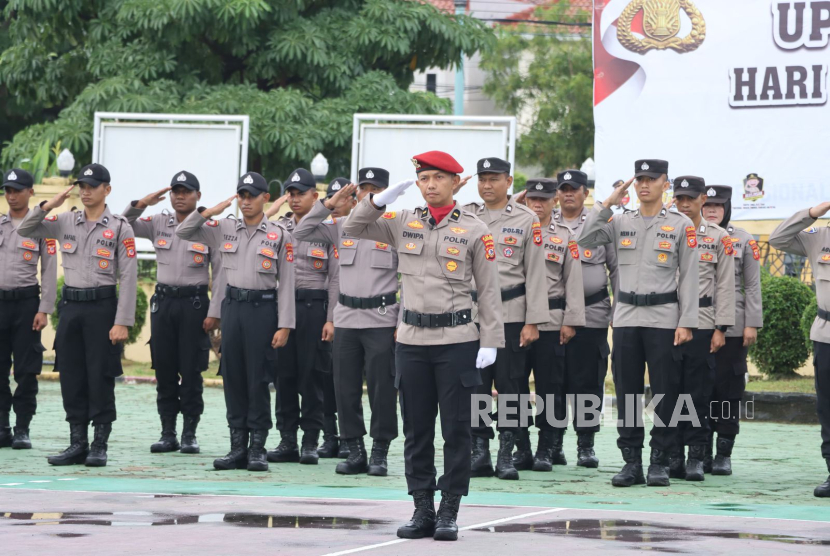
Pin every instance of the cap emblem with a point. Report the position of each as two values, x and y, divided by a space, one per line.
336 186
12 176
711 192
295 177
370 175
88 172
567 176
248 179
486 164
645 166
684 183
181 177
539 187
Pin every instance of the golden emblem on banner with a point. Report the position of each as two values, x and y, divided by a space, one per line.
661 24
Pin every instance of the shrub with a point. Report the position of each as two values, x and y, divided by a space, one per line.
781 348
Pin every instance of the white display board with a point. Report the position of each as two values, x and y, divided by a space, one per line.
144 151
390 142
733 91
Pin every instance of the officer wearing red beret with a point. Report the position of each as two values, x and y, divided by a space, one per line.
441 250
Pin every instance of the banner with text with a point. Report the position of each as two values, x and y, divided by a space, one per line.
733 91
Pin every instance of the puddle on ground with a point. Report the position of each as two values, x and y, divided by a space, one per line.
150 519
638 532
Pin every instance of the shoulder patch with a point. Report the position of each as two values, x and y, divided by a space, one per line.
727 245
51 246
574 248
811 230
756 251
129 244
289 252
691 236
51 218
212 223
330 220
537 233
389 215
489 247
146 218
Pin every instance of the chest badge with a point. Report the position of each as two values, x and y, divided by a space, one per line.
27 255
588 253
458 230
453 251
318 264
410 246
508 252
272 235
415 225
662 257
626 243
104 264
452 266
198 259
266 264
510 240
109 234
162 242
348 243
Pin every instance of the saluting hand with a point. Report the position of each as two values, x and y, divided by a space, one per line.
58 199
820 209
682 335
276 206
280 338
328 332
615 199
520 198
461 184
341 198
219 209
152 198
40 322
118 333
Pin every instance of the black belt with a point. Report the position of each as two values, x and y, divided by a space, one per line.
425 320
368 302
508 294
556 303
648 299
822 314
88 294
239 294
704 302
312 295
595 298
19 293
180 291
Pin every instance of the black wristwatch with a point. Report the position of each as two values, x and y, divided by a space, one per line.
722 328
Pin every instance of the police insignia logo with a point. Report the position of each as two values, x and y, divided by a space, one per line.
347 243
198 259
249 180
660 26
556 240
272 235
27 256
588 253
756 251
104 253
489 247
370 175
88 172
109 234
181 177
453 251
212 223
708 240
266 264
667 228
162 242
537 233
825 258
539 187
662 257
510 240
228 246
574 249
28 244
336 186
52 218
146 218
811 230
508 252
458 230
645 166
129 244
289 252
452 266
553 257
416 163
626 243
486 164
318 253
104 264
381 245
51 246
727 245
665 245
567 175
691 237
410 246
318 264
267 252
12 176
706 257
67 246
389 215
415 225
684 183
711 192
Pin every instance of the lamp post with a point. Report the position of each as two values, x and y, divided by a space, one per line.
589 168
66 162
319 167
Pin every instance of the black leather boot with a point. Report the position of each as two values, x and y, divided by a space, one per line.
189 443
446 528
378 466
356 462
5 430
287 450
523 456
422 523
504 460
97 456
632 471
677 462
78 448
658 471
585 456
707 456
21 440
723 460
256 451
480 463
557 454
237 458
822 490
343 451
694 467
168 441
308 451
543 460
331 442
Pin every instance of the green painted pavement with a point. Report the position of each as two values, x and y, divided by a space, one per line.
777 467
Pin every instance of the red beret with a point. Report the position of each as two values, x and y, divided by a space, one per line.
436 160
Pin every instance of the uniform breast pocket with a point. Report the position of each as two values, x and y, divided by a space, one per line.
822 267
318 257
664 252
381 256
29 251
627 250
708 257
453 260
68 253
510 249
410 257
555 256
198 254
230 258
267 261
348 251
163 252
104 258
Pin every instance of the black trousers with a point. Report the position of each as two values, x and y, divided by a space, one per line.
248 361
698 381
303 361
505 374
431 378
179 347
370 351
18 340
730 384
633 348
87 361
821 364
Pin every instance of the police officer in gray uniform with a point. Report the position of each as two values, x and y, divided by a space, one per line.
657 308
98 251
799 236
181 315
364 323
257 312
730 360
24 306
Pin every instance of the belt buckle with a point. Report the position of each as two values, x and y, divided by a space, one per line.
382 310
454 319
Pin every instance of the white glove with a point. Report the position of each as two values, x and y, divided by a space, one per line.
391 193
486 357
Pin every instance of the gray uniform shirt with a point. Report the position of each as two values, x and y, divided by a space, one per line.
517 233
792 237
367 268
649 255
598 264
748 307
179 262
259 261
717 276
437 265
560 255
94 255
316 265
18 263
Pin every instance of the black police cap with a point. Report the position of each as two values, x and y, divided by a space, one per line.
18 179
336 185
492 166
718 194
375 176
253 183
651 167
541 187
574 178
94 175
185 179
300 179
690 186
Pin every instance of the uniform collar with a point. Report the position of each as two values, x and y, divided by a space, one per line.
662 214
731 229
106 217
263 223
453 216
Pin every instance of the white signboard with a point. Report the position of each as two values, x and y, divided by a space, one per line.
733 91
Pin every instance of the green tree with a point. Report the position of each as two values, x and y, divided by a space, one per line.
546 72
299 68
